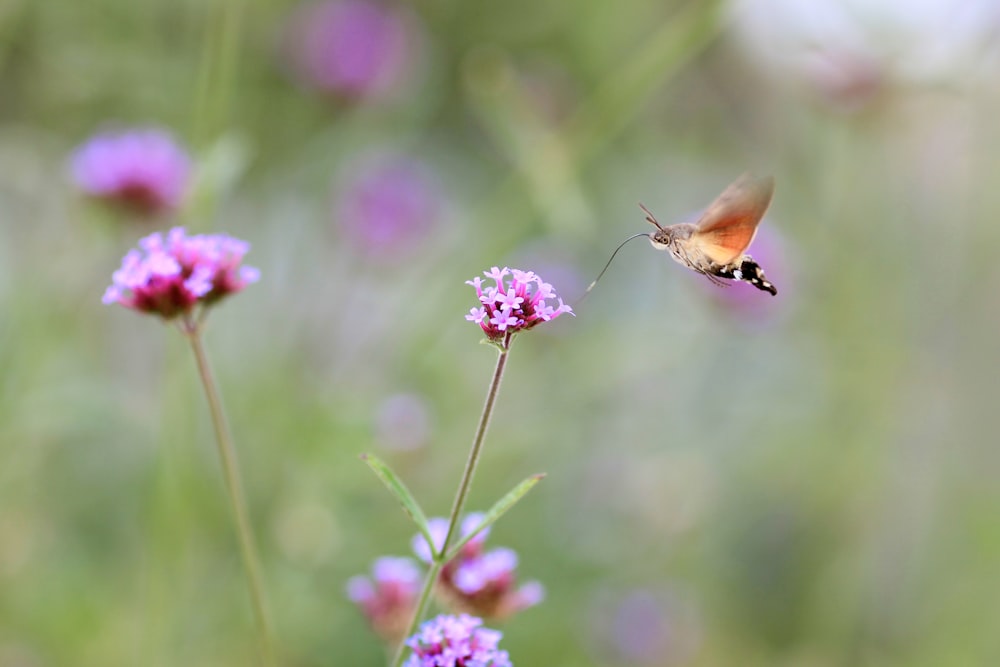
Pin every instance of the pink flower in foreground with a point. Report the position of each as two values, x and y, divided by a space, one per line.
456 641
389 597
172 276
479 581
144 171
515 305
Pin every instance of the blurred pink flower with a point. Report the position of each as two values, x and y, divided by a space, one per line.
143 170
389 597
479 581
439 530
353 49
171 277
388 204
851 51
517 305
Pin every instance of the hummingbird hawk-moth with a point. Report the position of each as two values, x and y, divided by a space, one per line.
714 246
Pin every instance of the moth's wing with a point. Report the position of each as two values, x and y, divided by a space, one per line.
729 223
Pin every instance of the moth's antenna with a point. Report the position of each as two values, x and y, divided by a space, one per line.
650 218
609 264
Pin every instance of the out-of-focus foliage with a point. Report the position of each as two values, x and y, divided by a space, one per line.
809 480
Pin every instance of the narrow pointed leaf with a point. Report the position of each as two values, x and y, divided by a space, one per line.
402 494
497 511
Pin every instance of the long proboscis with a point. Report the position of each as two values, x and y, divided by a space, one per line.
601 274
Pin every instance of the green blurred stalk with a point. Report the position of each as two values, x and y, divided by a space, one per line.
234 485
551 158
460 496
217 72
663 55
214 89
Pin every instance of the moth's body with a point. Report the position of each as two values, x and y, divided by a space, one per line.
714 246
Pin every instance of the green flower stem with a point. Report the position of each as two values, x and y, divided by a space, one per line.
460 497
234 485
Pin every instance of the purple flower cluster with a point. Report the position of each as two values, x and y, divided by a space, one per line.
513 306
144 171
477 580
389 597
352 49
456 641
173 275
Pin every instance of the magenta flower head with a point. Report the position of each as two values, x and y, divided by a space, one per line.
515 304
388 597
172 276
479 581
456 641
388 204
352 49
143 171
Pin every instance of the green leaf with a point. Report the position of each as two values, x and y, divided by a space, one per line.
497 511
403 495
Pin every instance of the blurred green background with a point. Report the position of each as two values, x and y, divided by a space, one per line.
809 480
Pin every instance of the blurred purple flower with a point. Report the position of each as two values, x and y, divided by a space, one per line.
403 422
439 530
388 204
743 299
172 276
645 626
515 306
655 629
478 581
352 49
143 170
389 597
456 641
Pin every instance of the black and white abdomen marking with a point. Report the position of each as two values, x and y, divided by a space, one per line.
749 271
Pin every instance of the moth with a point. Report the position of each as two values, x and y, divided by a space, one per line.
716 244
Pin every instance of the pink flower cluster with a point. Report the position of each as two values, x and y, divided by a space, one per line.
513 306
173 275
144 171
456 641
389 597
477 580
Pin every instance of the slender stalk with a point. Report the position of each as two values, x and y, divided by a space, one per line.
460 496
234 485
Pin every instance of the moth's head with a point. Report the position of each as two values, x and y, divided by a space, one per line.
661 239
